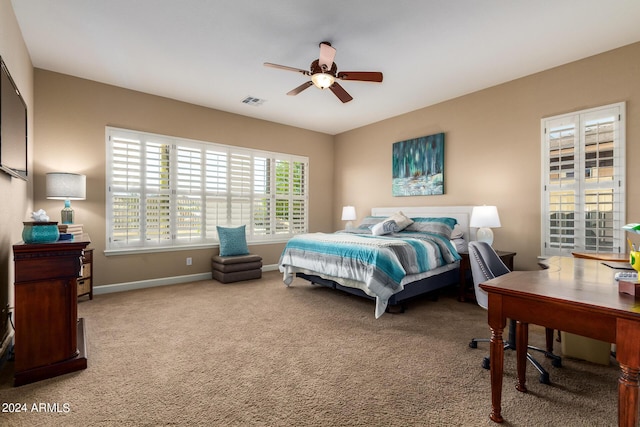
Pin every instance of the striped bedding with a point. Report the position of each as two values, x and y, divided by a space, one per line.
375 264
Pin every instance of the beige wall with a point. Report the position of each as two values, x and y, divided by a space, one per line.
71 115
15 194
492 145
492 151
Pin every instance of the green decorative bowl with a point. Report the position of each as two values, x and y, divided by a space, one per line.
40 232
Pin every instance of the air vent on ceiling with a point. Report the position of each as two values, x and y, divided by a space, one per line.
251 100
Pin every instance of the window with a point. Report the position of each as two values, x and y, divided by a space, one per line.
165 192
583 188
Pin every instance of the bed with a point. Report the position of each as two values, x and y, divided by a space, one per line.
384 258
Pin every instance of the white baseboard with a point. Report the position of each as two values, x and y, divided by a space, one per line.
163 281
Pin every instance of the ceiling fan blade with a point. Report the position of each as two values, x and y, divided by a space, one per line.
340 92
327 54
300 88
284 67
363 76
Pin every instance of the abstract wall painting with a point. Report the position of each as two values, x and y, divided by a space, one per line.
418 166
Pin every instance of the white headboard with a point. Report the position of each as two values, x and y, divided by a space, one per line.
461 213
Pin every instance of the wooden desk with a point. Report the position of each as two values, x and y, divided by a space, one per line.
574 295
602 257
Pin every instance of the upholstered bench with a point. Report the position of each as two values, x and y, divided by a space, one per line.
234 268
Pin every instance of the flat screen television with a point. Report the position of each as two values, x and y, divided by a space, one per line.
13 127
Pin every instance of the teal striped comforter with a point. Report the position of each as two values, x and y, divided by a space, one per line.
375 264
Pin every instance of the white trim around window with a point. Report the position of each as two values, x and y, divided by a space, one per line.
583 181
165 193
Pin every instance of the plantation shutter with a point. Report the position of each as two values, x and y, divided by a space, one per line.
189 205
262 206
583 182
157 193
561 188
298 216
283 196
125 176
240 182
216 189
164 192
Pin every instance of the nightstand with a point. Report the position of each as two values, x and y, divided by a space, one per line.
465 269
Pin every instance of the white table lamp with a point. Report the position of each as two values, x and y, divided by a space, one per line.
485 218
67 187
349 215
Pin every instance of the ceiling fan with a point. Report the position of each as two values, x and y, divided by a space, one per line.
324 73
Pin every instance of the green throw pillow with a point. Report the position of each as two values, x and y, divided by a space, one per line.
233 241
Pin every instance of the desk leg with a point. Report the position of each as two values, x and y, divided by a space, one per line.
549 338
497 322
496 356
628 355
522 342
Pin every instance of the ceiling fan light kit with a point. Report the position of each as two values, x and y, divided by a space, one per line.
323 80
324 72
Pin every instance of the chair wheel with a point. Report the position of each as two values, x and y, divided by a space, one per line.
556 362
544 378
486 363
473 344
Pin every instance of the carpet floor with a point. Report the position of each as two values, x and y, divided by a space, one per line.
257 353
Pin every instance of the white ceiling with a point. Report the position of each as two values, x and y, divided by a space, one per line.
211 52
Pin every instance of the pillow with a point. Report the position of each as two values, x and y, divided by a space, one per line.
460 244
442 226
457 239
370 221
384 227
233 241
457 232
401 219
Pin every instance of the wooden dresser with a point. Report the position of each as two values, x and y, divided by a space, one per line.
49 337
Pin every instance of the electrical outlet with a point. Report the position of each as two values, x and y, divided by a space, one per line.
189 261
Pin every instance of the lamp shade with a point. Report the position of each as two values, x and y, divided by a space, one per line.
348 213
66 186
485 216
